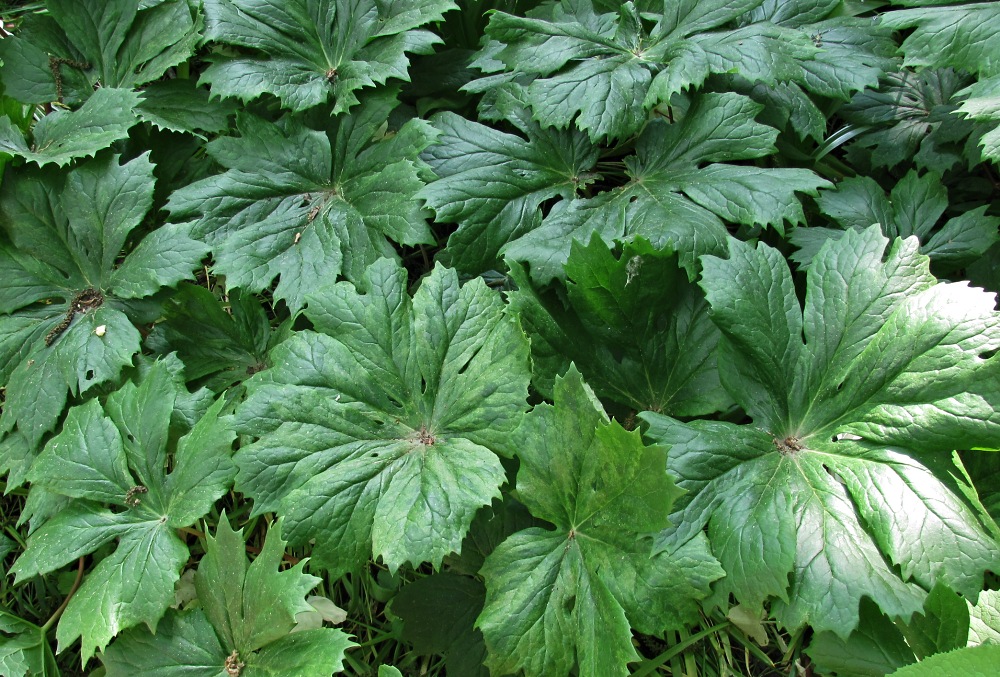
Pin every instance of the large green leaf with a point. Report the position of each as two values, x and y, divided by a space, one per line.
681 189
633 324
117 43
983 104
493 183
963 36
843 485
331 203
568 596
24 649
311 50
914 207
379 432
67 288
243 625
63 136
603 72
117 455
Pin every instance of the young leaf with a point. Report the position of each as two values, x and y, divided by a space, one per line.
63 136
117 455
845 471
79 43
634 325
244 625
681 189
593 576
914 207
68 289
379 436
331 204
315 49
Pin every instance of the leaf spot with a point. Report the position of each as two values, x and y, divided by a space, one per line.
132 495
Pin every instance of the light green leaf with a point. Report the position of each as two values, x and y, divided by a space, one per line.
968 661
331 205
983 104
24 649
311 50
63 136
857 401
379 436
183 642
120 458
984 619
593 576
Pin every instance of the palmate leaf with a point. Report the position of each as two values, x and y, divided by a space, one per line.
117 43
493 183
914 207
24 649
63 136
330 205
843 486
379 432
61 260
593 576
243 625
983 104
909 118
681 189
315 49
603 72
963 36
632 323
116 456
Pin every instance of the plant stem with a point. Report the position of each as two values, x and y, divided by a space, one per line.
62 607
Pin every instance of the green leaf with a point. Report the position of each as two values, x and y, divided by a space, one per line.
593 576
857 401
379 436
24 649
984 621
964 36
243 626
310 50
438 614
332 204
914 207
493 183
983 103
910 120
224 344
63 253
875 649
603 72
117 455
968 661
633 324
679 190
943 625
116 43
63 136
180 106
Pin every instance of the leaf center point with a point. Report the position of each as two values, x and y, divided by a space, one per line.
788 446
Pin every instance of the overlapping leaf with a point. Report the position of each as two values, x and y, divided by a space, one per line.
309 205
24 649
117 456
914 207
243 625
313 50
66 290
634 325
681 190
118 43
843 486
603 72
593 577
493 183
379 432
963 36
983 104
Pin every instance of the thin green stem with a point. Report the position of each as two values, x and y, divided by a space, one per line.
62 607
